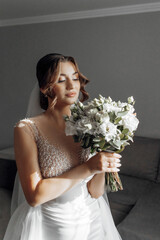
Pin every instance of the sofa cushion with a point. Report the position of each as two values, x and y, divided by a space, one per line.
133 188
141 158
7 173
158 175
5 202
143 223
122 202
119 211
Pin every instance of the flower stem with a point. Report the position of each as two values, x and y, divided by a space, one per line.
113 182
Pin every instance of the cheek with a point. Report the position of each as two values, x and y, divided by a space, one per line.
56 90
78 86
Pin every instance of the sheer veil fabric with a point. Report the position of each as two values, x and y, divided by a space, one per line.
33 109
29 218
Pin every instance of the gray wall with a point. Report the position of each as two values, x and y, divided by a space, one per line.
119 54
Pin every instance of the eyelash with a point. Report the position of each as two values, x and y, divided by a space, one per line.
75 79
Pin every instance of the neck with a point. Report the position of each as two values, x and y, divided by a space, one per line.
57 113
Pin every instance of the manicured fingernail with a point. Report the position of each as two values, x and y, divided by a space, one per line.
117 155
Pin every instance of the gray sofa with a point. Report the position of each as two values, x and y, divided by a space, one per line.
136 209
7 175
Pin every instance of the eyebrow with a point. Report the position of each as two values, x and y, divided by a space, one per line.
62 74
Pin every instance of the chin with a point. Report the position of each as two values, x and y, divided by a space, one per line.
68 102
72 100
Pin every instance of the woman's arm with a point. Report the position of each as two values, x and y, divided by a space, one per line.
36 189
96 185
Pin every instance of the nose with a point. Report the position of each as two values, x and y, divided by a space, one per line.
70 83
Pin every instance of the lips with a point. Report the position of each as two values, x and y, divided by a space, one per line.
71 94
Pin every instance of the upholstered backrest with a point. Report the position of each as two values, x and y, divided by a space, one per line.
141 158
7 173
158 177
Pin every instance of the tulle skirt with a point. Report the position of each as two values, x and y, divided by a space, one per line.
75 215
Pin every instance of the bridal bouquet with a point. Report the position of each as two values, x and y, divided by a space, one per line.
103 125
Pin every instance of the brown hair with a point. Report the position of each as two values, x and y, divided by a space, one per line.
47 71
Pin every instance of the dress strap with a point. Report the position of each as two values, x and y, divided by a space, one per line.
29 127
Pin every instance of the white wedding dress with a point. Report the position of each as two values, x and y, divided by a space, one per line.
74 215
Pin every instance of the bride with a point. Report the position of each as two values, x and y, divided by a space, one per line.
63 195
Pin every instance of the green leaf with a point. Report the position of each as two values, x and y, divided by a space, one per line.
87 140
115 145
125 131
92 150
125 137
121 136
117 120
102 143
112 116
120 114
120 150
106 147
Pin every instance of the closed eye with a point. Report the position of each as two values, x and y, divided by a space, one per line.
74 79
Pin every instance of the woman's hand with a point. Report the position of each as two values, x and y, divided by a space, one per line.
104 162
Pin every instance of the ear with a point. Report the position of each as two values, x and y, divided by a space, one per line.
44 91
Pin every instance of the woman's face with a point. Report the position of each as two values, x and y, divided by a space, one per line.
68 85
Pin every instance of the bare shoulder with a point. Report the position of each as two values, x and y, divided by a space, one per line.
25 123
24 140
31 119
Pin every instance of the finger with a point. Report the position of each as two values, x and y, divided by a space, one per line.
118 165
111 165
116 155
112 170
112 159
117 160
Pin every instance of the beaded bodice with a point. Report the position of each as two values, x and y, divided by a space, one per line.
53 159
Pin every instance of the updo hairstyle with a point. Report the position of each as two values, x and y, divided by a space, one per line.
48 71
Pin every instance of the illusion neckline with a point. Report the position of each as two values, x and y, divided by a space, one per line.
45 138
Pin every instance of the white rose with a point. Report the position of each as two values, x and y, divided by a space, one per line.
130 121
84 125
108 130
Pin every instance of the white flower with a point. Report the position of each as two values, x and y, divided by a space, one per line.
83 125
101 98
80 104
72 106
98 117
130 99
121 104
130 121
109 99
108 130
111 108
130 108
91 113
104 117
